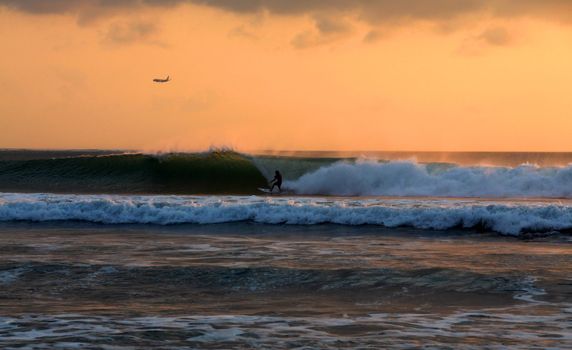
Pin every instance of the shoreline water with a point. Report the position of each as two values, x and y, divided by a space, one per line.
247 285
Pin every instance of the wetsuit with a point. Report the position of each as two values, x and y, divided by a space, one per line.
277 181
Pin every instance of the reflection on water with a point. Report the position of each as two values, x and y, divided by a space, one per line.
247 285
471 329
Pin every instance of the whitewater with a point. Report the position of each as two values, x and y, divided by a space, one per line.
509 217
231 173
406 178
221 187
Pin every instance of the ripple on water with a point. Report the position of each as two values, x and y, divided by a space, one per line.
471 329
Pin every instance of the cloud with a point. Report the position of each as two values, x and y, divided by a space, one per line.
370 11
307 39
129 32
376 11
85 10
497 36
331 25
374 36
477 44
243 32
327 30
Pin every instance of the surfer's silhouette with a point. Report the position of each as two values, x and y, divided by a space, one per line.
276 181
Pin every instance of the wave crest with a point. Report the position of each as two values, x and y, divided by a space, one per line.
511 218
367 178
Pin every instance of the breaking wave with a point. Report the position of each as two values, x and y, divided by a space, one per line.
228 172
368 178
511 218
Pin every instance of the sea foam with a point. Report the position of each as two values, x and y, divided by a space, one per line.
370 178
513 218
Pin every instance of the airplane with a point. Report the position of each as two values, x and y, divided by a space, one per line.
161 80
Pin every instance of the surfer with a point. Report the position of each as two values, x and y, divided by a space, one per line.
276 181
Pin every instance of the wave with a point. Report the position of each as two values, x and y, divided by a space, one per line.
372 178
210 172
510 218
228 172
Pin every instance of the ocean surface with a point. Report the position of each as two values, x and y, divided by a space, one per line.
362 250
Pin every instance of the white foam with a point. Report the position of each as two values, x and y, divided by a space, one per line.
10 276
217 335
439 214
370 178
529 290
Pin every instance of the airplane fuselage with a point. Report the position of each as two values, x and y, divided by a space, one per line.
161 80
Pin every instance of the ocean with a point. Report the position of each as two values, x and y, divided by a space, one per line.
362 250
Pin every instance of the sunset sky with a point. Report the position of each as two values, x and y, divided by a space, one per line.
441 75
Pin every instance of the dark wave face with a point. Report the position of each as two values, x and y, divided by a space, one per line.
227 172
213 172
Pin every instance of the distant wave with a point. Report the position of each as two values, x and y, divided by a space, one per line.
228 172
512 218
369 178
174 173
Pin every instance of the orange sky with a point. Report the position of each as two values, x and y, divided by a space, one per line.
307 75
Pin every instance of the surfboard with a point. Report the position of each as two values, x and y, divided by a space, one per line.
265 190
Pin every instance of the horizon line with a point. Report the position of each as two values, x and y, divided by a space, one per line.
256 150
